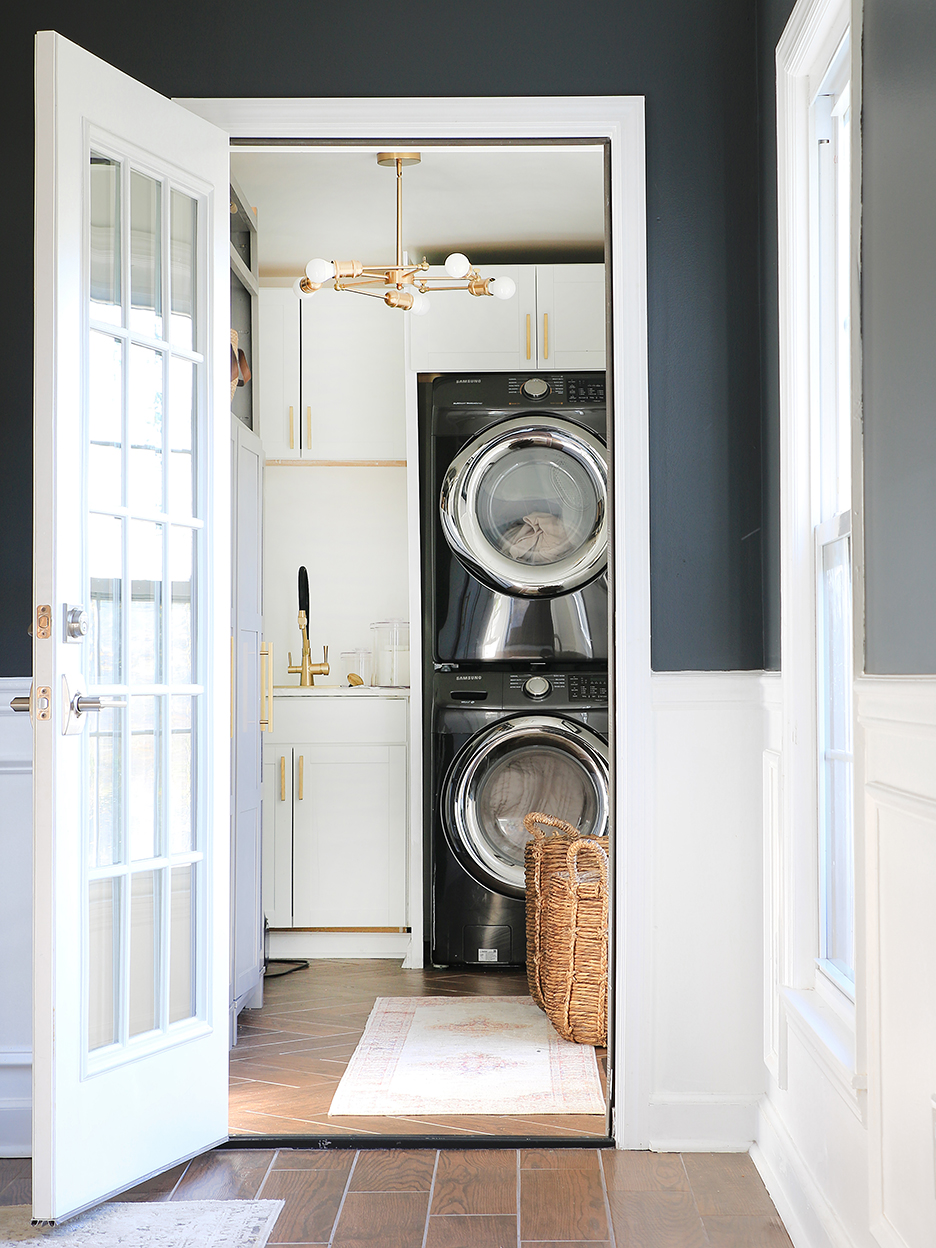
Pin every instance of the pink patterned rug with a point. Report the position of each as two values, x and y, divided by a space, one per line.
466 1055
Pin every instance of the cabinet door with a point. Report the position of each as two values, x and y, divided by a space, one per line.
570 316
349 838
462 332
279 394
352 371
246 912
277 834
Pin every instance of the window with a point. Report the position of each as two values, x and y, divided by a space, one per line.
830 334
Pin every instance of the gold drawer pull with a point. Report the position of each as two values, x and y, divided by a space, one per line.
283 778
528 335
308 441
301 770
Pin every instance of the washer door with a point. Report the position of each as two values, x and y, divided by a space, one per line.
521 764
525 506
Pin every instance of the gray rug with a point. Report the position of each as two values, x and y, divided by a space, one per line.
144 1224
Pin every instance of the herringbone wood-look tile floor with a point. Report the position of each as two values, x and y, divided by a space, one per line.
292 1052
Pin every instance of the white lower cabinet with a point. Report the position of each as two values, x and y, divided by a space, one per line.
334 812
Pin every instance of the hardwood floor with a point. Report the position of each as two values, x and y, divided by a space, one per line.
292 1052
487 1198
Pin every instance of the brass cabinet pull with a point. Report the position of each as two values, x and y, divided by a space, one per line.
266 686
283 778
292 431
301 769
308 441
545 335
528 335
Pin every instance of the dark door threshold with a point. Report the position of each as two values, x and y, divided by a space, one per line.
362 1142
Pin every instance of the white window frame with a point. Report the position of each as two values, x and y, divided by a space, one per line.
805 993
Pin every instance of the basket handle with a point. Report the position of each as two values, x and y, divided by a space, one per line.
535 817
572 854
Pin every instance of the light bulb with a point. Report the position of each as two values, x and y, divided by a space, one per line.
457 265
299 292
503 287
319 271
421 304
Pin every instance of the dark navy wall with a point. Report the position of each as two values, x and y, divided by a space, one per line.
772 16
697 66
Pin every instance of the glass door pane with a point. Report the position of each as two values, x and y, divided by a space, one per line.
143 545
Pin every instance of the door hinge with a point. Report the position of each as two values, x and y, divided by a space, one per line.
43 622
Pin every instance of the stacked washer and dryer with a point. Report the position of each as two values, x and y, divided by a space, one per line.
514 475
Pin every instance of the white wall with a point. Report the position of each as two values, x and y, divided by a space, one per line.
347 525
15 924
707 1072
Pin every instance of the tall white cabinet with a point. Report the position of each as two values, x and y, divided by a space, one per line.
555 321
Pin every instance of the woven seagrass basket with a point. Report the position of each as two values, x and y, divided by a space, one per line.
545 855
574 945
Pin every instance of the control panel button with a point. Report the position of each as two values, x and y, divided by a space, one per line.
537 687
535 388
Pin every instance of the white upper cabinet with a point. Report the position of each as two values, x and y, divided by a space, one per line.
352 378
279 395
333 377
556 320
461 331
570 316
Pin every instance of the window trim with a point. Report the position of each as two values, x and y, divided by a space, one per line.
802 991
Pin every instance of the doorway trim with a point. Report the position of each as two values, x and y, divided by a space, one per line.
620 121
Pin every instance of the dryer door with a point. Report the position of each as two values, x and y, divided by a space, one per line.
525 506
521 764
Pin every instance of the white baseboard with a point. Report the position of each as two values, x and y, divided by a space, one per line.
339 945
688 1124
15 1103
810 1220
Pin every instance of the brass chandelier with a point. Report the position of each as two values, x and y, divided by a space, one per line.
401 285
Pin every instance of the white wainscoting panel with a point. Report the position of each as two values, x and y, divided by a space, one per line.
707 1034
897 720
15 924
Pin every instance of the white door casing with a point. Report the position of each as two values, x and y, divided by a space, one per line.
106 1118
620 121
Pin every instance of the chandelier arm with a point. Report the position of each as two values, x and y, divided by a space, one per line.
354 289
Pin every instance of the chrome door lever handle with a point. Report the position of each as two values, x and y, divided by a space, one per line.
94 702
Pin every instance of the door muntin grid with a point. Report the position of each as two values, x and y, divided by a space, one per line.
144 412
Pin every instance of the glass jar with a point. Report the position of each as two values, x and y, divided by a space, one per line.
391 653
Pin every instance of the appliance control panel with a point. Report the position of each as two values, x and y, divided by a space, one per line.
557 390
588 687
521 690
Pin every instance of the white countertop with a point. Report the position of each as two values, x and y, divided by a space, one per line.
341 691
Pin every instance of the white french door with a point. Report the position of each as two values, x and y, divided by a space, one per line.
131 652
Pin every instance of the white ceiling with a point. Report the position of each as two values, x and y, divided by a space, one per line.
499 204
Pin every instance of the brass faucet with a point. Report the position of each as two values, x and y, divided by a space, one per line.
307 670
